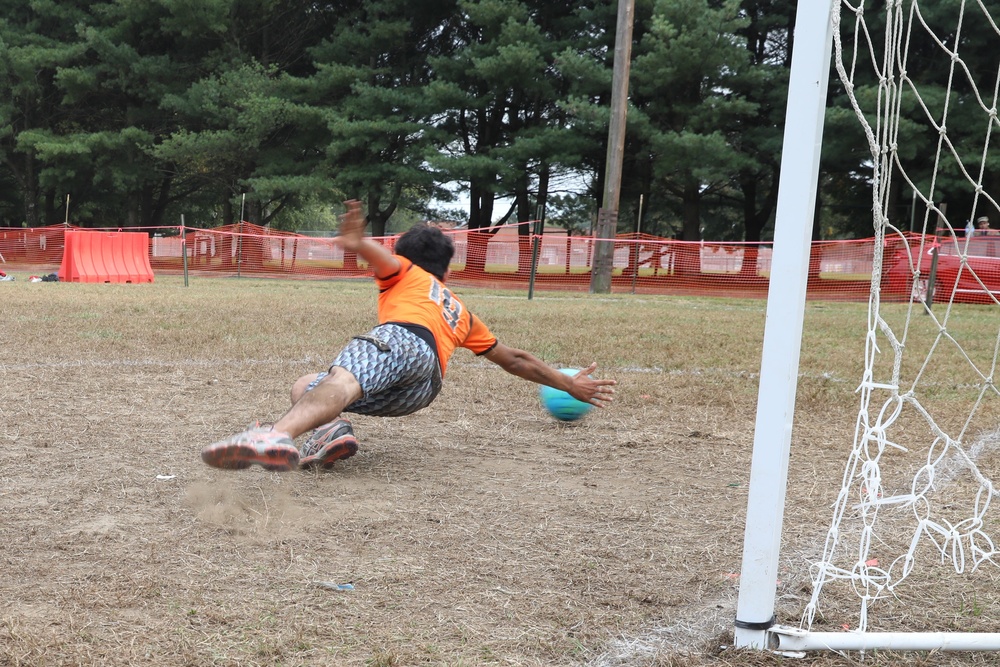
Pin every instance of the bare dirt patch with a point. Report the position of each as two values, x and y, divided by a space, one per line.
478 531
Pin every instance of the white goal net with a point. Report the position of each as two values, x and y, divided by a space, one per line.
918 502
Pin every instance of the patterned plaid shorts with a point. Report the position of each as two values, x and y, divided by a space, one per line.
397 370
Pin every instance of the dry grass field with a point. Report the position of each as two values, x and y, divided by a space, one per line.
476 532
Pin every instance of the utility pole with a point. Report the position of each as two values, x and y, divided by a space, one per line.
607 216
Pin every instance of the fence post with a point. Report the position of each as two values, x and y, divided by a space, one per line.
184 249
638 230
535 244
931 279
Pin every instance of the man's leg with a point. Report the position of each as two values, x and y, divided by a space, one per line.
324 396
321 404
274 447
301 385
400 375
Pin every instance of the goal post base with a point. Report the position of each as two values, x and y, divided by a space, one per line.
786 639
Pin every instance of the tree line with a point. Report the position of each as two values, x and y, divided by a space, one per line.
129 114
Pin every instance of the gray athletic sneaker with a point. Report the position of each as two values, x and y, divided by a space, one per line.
329 443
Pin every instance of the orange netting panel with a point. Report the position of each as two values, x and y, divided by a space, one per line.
502 258
33 246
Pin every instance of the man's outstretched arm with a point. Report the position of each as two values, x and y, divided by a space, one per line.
580 386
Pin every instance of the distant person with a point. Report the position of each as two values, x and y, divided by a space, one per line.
397 367
983 229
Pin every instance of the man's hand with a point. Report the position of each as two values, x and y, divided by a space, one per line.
352 239
352 226
596 392
581 386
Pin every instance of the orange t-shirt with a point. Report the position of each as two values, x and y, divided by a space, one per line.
413 296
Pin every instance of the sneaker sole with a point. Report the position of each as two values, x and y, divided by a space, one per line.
237 456
343 447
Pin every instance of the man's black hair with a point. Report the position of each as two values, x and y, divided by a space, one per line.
427 247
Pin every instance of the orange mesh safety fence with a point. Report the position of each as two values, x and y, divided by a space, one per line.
501 258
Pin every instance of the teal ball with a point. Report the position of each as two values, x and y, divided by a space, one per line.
561 405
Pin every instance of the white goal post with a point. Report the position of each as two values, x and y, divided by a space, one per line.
886 392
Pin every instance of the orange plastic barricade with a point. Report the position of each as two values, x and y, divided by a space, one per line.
106 257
